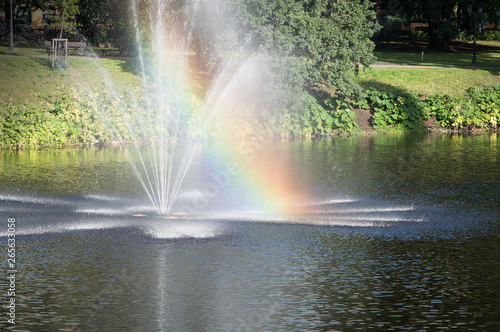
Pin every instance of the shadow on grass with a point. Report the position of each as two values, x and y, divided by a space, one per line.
455 46
458 54
131 66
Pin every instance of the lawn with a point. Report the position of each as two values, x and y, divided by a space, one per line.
31 80
23 49
457 54
454 78
427 81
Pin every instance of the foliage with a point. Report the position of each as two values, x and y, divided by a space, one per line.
490 35
442 16
65 19
390 109
485 35
391 26
70 120
76 117
326 39
320 116
418 34
480 108
342 115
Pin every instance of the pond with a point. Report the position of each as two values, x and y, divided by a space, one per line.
394 232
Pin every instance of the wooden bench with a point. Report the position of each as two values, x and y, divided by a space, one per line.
108 48
78 46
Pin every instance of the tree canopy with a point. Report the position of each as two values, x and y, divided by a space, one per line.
309 42
326 40
444 18
65 18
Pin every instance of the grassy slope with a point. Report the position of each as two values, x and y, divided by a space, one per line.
30 80
434 81
427 82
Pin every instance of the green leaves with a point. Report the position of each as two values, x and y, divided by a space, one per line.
480 108
400 110
70 120
326 39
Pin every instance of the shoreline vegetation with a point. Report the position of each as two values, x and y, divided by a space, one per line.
40 107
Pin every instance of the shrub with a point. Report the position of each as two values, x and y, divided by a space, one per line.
419 34
400 110
480 108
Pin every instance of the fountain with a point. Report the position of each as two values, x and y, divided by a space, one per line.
168 128
400 232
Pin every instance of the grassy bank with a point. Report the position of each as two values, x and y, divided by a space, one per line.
454 79
427 82
31 80
41 106
44 107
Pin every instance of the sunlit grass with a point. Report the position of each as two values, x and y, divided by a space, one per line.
427 82
31 80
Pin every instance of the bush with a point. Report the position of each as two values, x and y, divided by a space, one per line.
480 108
70 120
490 35
464 35
418 34
399 110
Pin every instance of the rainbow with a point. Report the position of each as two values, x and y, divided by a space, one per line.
253 177
248 173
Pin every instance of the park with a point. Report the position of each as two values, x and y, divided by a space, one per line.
250 165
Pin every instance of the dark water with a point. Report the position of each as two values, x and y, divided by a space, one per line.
402 234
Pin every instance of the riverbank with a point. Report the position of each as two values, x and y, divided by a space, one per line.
44 107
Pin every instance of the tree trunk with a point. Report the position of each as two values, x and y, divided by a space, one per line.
62 25
435 42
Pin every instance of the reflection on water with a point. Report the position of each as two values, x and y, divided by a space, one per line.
401 233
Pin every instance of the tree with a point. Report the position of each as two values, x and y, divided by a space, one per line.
65 19
443 17
105 21
310 42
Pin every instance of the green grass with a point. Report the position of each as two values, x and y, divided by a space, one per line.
31 80
427 82
458 54
457 75
23 49
432 58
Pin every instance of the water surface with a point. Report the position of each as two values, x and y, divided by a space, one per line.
400 233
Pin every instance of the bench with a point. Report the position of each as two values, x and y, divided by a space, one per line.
108 48
78 46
